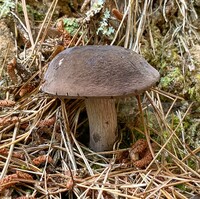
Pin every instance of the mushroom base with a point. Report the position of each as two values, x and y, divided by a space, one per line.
102 118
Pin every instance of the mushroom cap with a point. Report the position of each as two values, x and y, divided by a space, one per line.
98 71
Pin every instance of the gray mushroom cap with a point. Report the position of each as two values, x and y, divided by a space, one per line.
98 71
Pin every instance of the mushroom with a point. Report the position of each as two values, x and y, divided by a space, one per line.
99 74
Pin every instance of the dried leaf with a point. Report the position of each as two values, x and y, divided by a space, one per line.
57 49
70 184
5 152
140 154
117 14
11 70
145 160
42 159
8 120
26 89
6 103
139 146
12 179
47 122
8 181
23 175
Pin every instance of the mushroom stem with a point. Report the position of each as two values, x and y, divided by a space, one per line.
103 123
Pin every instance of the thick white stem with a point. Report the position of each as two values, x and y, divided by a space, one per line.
103 123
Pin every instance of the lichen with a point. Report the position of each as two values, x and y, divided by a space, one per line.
104 27
5 7
71 25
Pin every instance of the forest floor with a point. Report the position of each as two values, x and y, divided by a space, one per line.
44 149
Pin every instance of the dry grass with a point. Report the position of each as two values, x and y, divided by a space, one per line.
58 163
40 156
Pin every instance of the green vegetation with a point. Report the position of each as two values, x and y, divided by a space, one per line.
38 134
5 7
104 27
71 25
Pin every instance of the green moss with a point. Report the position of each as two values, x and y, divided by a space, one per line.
173 79
194 90
163 52
181 187
165 81
37 16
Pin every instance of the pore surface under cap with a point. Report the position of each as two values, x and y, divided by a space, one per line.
98 71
